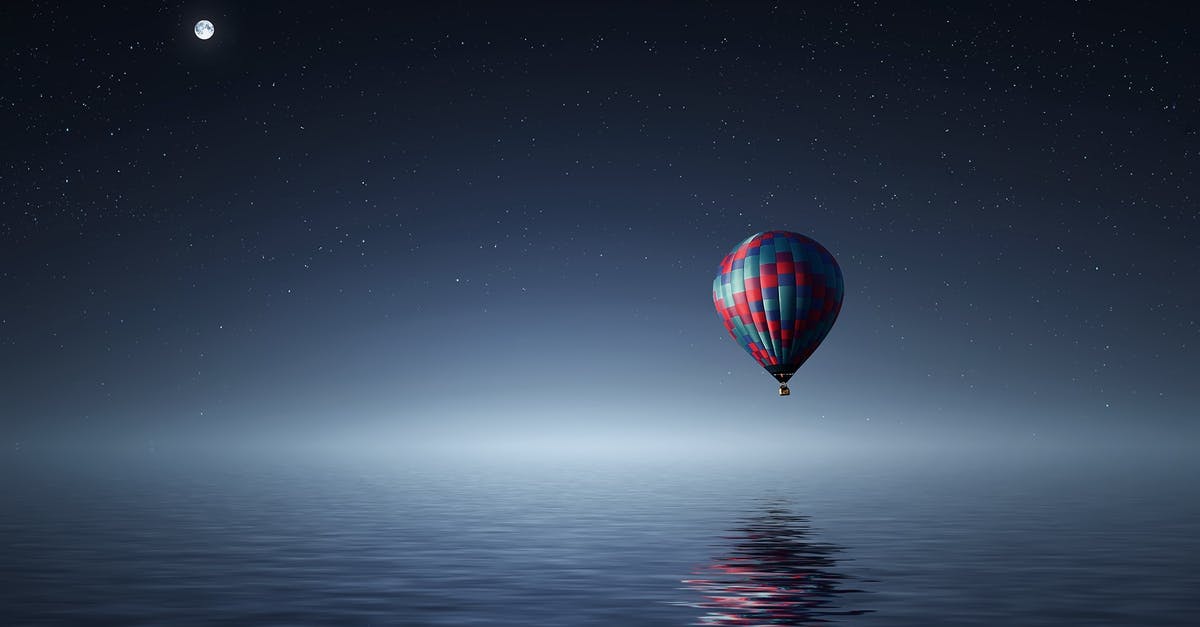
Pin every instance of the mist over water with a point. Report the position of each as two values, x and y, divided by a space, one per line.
326 536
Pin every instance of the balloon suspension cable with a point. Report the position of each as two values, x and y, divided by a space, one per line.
783 390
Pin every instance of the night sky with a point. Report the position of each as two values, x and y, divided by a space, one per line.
480 223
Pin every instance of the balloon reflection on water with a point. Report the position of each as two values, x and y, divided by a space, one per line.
773 575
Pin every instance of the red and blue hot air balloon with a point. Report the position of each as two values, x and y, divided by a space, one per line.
778 294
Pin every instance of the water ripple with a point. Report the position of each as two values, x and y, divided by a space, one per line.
774 574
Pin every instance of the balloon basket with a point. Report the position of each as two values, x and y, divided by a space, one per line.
784 391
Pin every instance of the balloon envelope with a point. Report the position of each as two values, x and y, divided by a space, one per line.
778 294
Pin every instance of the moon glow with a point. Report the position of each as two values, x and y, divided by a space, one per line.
204 29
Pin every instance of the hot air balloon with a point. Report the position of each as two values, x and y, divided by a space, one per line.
778 294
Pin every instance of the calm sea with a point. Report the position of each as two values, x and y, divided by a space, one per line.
164 541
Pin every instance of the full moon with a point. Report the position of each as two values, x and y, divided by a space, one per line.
204 29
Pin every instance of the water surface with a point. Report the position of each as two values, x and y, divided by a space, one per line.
154 540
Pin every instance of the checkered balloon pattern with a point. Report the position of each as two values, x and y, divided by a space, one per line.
778 294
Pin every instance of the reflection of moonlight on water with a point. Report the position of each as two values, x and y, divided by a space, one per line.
773 575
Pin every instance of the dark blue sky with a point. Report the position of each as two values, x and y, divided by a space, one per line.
489 222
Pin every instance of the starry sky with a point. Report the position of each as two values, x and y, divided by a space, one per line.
413 223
